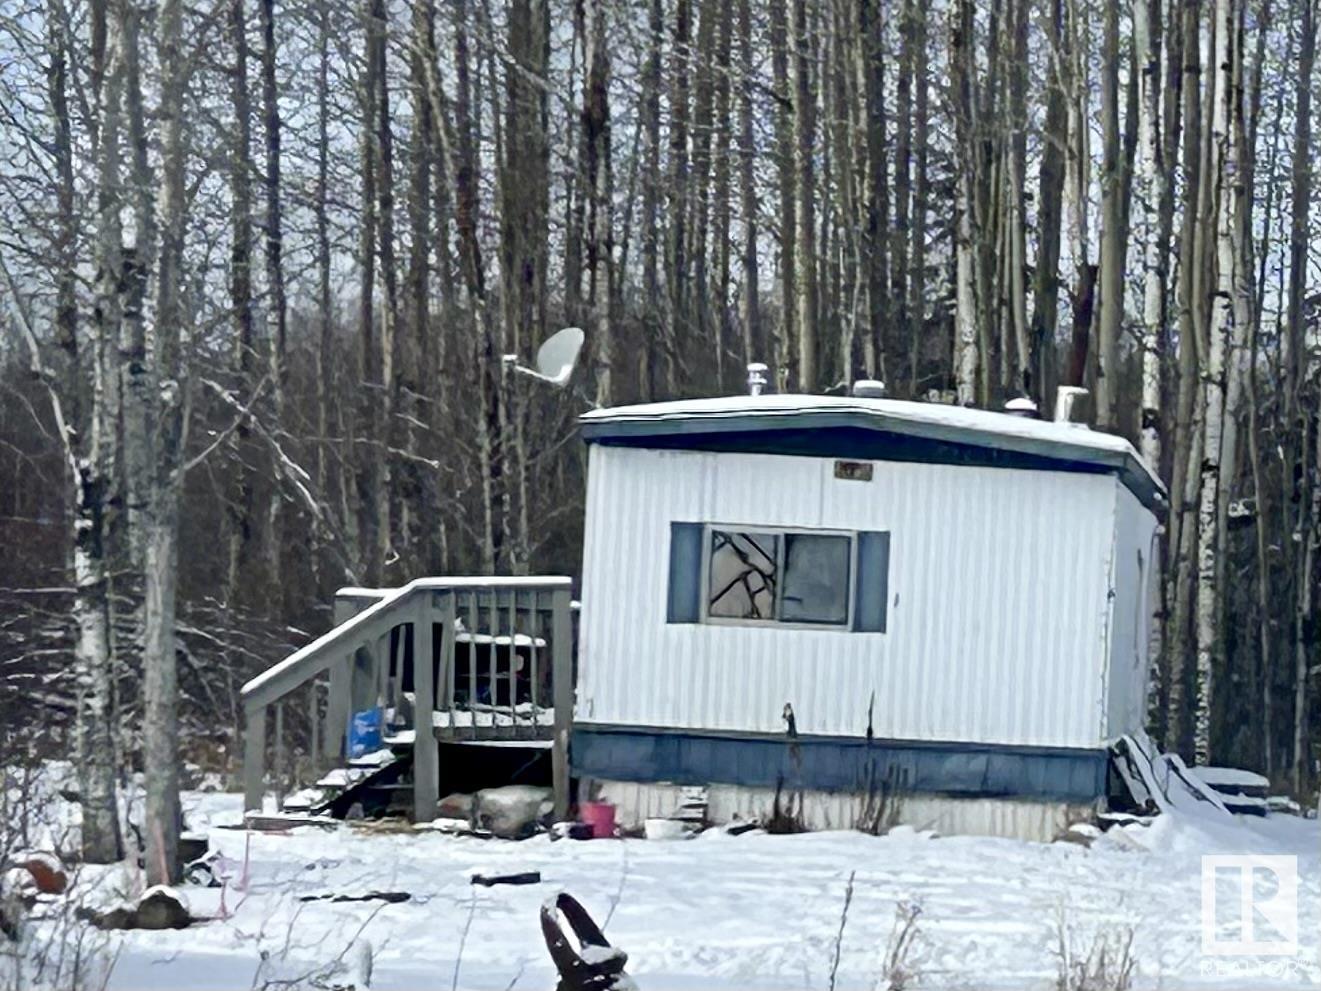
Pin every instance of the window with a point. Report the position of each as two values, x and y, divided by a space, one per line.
773 575
743 574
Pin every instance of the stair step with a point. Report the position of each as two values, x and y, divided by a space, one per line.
374 760
303 799
343 777
278 822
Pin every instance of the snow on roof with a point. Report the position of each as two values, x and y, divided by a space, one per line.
1226 778
933 421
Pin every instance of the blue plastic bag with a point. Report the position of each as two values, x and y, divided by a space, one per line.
365 732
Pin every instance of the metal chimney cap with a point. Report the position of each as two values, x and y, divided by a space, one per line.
1021 406
1068 400
756 377
868 389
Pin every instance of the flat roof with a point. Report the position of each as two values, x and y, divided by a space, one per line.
883 429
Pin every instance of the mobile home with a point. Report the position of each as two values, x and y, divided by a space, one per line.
820 606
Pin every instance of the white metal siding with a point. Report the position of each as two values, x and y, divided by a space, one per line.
997 616
1135 575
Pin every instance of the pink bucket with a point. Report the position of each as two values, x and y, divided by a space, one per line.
600 816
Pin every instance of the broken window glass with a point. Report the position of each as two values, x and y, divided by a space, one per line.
744 572
787 577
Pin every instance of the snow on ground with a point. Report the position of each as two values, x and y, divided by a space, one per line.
718 911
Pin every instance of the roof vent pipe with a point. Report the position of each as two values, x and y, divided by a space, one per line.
756 378
1067 403
868 389
1022 406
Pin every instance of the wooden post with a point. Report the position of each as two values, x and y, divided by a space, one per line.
337 707
472 661
513 662
426 763
562 671
279 753
254 757
533 628
446 616
314 723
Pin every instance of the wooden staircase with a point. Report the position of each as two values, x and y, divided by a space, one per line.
501 653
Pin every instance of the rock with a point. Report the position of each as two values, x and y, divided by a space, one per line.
46 870
1082 833
162 908
514 811
455 806
158 908
122 917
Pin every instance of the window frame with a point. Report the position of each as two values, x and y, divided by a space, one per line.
704 599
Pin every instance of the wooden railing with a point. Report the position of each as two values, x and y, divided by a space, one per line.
501 652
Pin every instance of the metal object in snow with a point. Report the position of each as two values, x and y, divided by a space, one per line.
596 965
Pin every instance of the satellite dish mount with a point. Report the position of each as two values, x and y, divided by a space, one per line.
556 358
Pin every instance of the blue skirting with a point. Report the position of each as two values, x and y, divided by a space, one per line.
838 764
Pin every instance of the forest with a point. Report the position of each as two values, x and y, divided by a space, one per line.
260 262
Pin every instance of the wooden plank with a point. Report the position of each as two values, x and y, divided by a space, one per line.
279 753
503 733
254 757
426 763
337 707
533 626
314 720
561 646
472 655
513 657
492 652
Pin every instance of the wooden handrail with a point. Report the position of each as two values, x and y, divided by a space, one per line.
316 657
422 603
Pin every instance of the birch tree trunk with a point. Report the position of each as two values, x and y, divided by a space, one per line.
1111 302
92 465
329 410
720 181
276 308
864 50
1078 174
965 293
1223 173
658 377
677 248
242 498
418 388
524 192
1154 186
1020 382
1050 196
596 136
480 334
917 278
787 338
163 818
1297 417
367 425
383 153
1180 581
754 343
805 283
704 72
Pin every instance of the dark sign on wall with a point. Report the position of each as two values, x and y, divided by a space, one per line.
854 471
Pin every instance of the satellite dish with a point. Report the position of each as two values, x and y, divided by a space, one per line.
555 358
